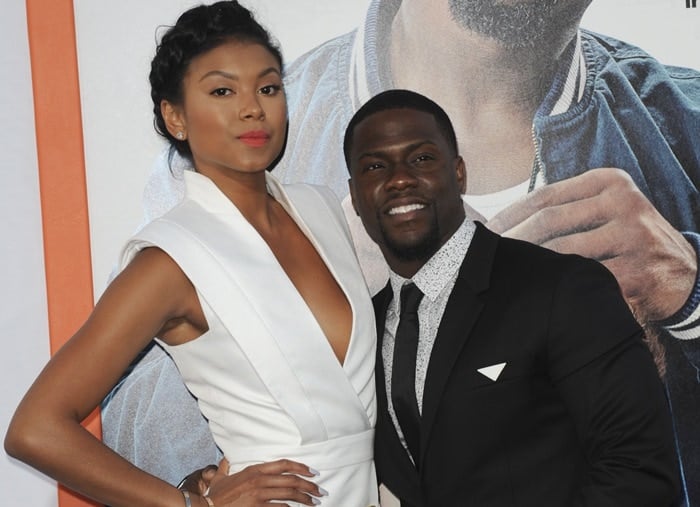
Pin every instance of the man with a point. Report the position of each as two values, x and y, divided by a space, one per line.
532 385
574 140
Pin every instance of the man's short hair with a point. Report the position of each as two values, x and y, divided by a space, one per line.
400 99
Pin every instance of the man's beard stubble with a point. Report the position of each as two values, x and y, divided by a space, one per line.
518 25
422 250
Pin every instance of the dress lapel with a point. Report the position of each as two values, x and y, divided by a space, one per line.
258 287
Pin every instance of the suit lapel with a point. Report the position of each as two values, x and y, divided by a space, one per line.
461 313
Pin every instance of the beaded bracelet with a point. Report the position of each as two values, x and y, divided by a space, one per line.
186 494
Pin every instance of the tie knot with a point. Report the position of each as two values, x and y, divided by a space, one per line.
410 298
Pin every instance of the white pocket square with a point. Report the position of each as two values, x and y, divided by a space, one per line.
493 371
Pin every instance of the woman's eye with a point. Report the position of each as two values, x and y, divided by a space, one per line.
220 92
270 90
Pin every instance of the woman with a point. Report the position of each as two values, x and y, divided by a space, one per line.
252 287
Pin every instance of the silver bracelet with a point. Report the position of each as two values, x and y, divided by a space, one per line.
182 482
188 501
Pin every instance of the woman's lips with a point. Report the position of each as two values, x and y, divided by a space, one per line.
255 138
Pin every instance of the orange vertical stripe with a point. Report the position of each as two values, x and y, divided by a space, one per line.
59 139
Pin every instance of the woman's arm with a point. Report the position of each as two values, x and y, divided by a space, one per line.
45 432
151 297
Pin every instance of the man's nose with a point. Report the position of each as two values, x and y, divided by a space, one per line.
401 176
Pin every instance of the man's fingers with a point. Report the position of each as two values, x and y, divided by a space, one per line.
578 188
558 221
600 243
525 209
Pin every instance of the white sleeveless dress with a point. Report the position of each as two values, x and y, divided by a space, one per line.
264 374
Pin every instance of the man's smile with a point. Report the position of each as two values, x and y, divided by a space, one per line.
406 208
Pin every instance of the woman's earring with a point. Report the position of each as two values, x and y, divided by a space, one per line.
180 136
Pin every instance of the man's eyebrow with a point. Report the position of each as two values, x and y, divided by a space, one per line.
408 147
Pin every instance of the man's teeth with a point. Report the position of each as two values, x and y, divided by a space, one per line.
405 209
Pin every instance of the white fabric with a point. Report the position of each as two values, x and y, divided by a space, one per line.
265 374
489 205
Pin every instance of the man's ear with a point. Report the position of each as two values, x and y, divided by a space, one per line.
174 120
352 196
461 175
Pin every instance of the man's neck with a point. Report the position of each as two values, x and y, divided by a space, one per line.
408 268
490 92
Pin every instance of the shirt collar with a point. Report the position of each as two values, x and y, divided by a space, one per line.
571 78
441 268
370 69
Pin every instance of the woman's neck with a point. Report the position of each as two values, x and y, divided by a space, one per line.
249 193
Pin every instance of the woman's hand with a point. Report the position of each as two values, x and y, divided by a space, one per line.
198 482
282 480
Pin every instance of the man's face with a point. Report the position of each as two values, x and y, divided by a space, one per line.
519 23
406 184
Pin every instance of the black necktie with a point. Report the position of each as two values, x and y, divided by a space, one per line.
403 374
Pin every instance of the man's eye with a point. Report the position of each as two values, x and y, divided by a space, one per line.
424 158
373 167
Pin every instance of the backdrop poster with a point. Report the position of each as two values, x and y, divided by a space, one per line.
636 130
328 81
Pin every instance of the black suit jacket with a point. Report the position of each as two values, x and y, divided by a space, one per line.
577 416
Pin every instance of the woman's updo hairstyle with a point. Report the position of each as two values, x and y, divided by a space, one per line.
197 31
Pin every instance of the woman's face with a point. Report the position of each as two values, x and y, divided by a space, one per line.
234 110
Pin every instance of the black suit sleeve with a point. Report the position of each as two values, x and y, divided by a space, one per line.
611 387
691 349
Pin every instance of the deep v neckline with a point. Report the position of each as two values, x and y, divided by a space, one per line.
303 228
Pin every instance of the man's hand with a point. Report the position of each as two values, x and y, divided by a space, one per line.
281 480
602 214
